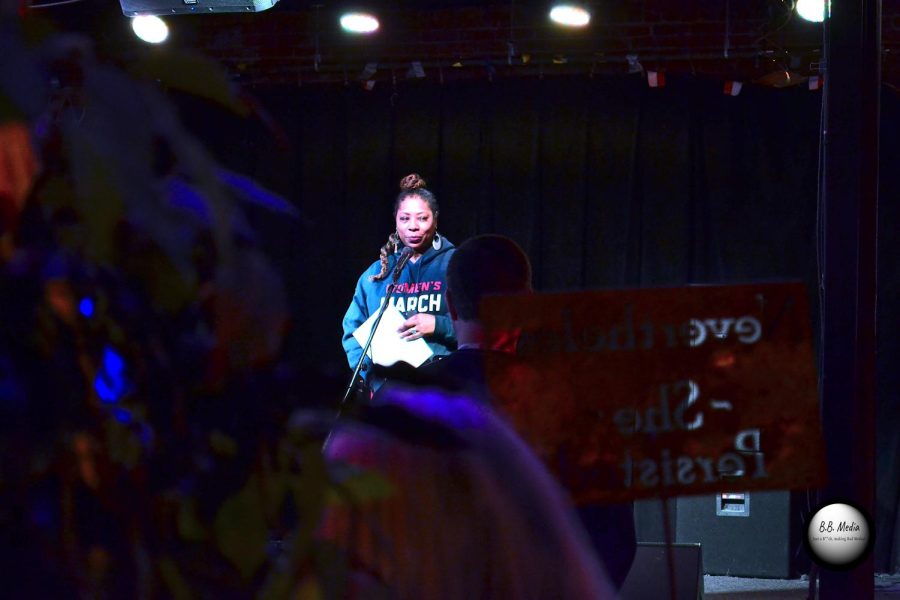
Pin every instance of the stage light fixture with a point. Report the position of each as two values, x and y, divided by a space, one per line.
150 29
416 70
134 8
811 10
368 71
359 22
570 15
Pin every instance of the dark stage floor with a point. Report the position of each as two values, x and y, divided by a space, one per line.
742 588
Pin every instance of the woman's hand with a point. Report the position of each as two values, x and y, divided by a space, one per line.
417 326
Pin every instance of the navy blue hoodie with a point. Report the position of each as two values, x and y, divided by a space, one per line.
421 288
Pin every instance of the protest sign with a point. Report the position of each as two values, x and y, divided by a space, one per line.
664 392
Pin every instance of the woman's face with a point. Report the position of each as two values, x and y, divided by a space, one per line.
416 224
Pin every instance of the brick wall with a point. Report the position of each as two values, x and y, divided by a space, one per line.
742 40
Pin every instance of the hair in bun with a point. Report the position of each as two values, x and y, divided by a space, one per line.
413 181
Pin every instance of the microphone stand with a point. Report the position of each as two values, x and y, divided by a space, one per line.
390 292
350 387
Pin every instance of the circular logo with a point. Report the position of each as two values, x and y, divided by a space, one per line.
839 535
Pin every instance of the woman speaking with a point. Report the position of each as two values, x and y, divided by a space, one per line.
422 283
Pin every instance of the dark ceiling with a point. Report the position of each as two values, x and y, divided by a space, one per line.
299 41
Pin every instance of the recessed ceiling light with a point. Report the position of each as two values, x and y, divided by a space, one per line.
570 15
358 22
811 10
150 29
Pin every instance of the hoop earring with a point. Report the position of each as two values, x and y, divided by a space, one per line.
437 241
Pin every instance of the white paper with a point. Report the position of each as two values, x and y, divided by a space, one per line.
387 345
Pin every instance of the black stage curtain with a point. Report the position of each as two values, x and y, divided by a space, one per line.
605 182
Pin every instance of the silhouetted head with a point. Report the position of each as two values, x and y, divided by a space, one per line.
481 266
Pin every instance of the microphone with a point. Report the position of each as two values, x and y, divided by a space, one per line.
404 258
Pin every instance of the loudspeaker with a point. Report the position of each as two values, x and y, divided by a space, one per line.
745 534
754 534
133 8
648 578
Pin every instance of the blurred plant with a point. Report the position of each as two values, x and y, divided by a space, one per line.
142 420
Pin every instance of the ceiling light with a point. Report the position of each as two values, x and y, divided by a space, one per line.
570 15
358 22
811 10
150 28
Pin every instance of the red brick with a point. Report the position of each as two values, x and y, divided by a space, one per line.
441 35
672 29
522 34
646 27
465 18
631 30
484 35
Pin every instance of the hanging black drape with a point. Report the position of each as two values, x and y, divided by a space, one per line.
605 182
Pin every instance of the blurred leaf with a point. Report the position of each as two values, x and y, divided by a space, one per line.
278 584
333 563
9 111
121 128
309 496
254 194
123 445
193 73
61 300
22 79
99 205
189 526
54 194
172 235
308 492
240 529
309 589
162 280
84 446
98 562
222 444
173 579
18 169
250 310
36 29
358 486
274 490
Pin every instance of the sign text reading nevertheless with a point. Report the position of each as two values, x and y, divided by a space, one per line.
638 393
